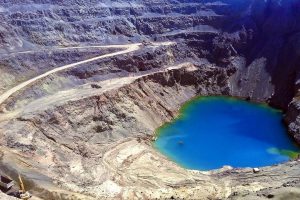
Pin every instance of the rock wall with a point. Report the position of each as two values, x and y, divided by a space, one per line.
260 38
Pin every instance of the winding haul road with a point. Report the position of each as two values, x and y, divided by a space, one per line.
128 48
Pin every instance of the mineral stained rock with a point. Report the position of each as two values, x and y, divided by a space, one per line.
85 132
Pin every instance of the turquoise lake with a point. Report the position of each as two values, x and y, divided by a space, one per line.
211 132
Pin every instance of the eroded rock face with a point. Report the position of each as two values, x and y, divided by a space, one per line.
85 133
293 119
260 38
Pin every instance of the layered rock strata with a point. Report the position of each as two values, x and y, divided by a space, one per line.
85 132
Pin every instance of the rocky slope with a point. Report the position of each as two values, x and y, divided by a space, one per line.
85 132
17 68
259 37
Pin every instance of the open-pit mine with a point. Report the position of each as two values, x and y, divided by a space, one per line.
95 99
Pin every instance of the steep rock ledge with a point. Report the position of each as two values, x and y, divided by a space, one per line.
292 119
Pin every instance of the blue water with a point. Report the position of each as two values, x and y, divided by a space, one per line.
215 131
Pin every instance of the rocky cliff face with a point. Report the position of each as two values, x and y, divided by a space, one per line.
84 133
260 38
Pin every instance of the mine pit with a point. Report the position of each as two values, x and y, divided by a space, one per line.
150 99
